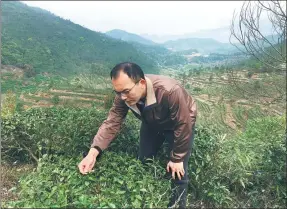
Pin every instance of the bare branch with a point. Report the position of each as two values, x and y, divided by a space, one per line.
269 52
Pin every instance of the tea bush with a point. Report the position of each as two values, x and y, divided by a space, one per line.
118 181
247 170
205 185
28 135
8 105
254 163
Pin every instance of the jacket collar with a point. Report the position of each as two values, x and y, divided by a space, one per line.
150 96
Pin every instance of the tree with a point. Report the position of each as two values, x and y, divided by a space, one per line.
269 50
183 77
29 71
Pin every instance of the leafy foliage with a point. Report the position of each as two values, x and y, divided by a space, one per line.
28 135
8 105
254 163
247 170
57 183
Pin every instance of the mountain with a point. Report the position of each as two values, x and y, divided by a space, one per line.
219 34
187 52
47 43
202 45
129 37
164 56
149 48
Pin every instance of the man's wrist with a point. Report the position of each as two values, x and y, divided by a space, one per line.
94 152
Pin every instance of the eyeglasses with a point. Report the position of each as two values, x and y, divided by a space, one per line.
125 92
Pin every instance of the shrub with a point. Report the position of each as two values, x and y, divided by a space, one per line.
108 100
205 184
197 89
246 170
55 99
187 86
37 131
8 108
249 74
253 163
119 181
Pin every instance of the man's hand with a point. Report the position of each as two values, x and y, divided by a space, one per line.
87 164
175 168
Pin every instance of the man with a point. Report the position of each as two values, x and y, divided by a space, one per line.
167 112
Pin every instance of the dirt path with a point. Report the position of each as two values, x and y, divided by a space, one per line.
203 98
76 93
42 95
10 175
80 98
229 119
26 99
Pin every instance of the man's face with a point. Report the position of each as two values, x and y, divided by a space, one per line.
132 92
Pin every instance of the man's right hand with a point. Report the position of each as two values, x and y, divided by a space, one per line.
87 164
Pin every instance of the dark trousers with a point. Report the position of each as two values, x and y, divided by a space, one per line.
150 143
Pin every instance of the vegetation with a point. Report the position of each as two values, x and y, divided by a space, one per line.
49 120
250 159
219 59
251 150
203 45
51 44
129 37
187 52
163 56
269 50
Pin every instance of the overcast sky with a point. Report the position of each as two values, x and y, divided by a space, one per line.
152 17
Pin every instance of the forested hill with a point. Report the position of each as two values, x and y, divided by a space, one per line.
37 38
129 37
157 52
202 45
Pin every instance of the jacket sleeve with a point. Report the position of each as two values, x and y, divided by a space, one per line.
183 114
111 126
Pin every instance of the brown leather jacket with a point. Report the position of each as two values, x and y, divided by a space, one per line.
167 107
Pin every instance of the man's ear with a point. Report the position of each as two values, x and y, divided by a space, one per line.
142 81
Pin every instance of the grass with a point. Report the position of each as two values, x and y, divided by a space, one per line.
247 98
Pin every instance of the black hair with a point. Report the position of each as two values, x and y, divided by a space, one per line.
133 71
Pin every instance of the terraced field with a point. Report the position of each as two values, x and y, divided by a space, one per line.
220 97
226 100
46 90
61 97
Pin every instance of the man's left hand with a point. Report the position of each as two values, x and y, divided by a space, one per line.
175 168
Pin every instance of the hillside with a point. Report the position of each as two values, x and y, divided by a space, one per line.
47 43
219 34
162 55
129 37
203 45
